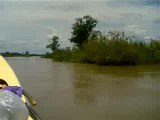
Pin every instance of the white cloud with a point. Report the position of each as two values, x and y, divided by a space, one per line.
29 20
147 37
52 32
135 29
58 0
2 37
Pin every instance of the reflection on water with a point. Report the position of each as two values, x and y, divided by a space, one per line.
83 89
67 91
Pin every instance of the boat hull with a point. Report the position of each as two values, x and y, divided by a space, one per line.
7 74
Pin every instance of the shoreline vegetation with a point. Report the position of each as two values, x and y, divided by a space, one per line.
16 54
111 52
93 47
113 48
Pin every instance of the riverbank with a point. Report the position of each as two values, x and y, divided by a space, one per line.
111 52
10 54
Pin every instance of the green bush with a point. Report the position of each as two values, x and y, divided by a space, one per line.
114 49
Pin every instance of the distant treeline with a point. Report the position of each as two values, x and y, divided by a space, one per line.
115 48
16 54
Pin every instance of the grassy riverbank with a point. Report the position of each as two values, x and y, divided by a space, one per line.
111 52
15 54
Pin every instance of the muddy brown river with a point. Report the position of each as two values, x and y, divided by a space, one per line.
71 91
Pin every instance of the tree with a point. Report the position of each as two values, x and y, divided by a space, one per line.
82 29
27 53
54 45
95 35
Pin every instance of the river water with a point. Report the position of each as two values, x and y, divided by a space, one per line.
71 91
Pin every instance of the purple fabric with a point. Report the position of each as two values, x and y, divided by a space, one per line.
14 89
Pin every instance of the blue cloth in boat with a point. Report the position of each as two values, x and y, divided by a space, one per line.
15 89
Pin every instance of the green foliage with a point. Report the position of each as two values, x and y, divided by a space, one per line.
114 49
154 51
27 53
62 55
67 55
47 55
54 45
82 29
16 54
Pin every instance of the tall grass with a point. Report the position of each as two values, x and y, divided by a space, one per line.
114 49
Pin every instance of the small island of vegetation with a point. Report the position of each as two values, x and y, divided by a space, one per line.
114 48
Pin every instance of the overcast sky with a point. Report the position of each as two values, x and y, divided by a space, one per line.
28 25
